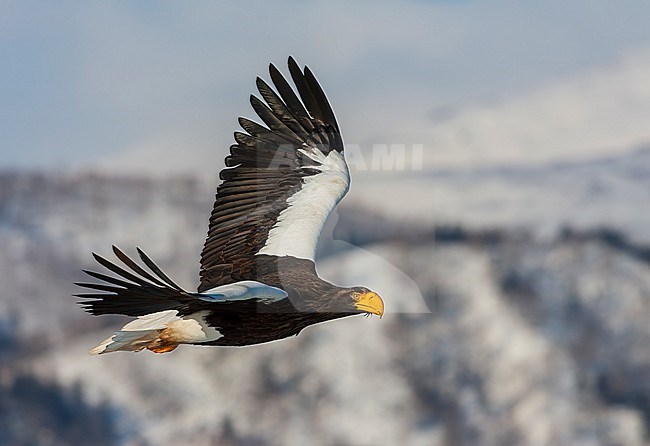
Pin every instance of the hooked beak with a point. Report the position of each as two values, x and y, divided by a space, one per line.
370 302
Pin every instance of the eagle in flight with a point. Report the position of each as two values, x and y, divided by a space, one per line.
258 281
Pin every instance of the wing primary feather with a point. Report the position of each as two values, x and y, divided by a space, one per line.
157 271
263 133
99 287
119 271
324 107
290 98
280 109
135 267
272 121
301 126
304 90
254 143
295 106
321 99
99 296
109 279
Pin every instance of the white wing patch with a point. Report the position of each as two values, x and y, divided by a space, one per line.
298 228
244 290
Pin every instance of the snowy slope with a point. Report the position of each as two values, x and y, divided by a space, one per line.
486 367
609 191
514 340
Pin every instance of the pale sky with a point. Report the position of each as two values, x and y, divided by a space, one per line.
157 86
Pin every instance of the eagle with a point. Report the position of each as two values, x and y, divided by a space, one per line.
258 280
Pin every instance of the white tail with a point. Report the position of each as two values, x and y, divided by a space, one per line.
159 332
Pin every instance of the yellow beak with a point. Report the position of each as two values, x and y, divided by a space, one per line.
370 303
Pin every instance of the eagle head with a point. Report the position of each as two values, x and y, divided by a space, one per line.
362 300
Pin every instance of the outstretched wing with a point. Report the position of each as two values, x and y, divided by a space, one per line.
282 181
134 291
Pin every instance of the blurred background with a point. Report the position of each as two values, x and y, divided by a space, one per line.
500 154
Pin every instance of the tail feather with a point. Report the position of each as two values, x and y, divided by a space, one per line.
129 341
141 333
133 293
159 332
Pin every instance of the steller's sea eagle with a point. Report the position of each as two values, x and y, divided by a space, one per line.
258 278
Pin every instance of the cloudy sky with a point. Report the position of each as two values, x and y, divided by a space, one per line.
157 86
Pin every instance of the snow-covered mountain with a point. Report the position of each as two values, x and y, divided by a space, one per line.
493 335
610 191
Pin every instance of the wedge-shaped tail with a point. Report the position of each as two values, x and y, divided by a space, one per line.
142 332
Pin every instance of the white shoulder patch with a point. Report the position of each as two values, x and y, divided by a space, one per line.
298 228
244 290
